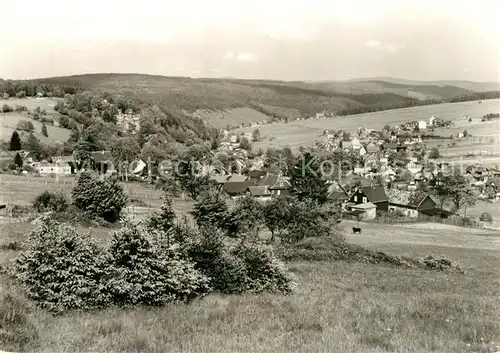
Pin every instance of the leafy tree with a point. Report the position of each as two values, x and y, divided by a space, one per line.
33 145
24 125
164 220
99 198
309 219
466 133
457 190
44 130
18 161
64 122
211 211
434 153
275 215
245 144
486 217
307 181
48 201
15 142
247 216
256 135
190 178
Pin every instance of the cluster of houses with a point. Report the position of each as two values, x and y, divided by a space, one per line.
128 121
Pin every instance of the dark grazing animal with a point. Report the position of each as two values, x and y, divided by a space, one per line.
356 230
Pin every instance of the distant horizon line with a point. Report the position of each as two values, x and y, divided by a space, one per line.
357 79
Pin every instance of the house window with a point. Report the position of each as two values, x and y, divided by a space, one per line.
365 200
355 199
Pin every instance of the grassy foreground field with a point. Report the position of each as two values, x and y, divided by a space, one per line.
338 306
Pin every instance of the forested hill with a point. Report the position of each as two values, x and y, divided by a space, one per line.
275 99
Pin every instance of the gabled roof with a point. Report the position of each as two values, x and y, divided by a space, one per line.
237 177
281 183
406 198
259 190
220 179
256 174
364 206
234 188
337 195
375 193
269 180
389 146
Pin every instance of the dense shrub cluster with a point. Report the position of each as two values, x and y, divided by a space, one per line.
63 270
48 201
99 198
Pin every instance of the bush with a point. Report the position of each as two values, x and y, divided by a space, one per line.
6 108
213 258
99 198
486 217
48 201
244 267
264 272
62 269
152 275
25 125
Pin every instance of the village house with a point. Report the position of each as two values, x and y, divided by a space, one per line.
58 168
259 192
64 159
432 119
337 196
372 147
478 172
346 145
355 143
236 189
422 125
413 166
374 194
278 185
411 204
363 211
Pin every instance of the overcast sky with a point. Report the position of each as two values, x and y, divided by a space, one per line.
288 40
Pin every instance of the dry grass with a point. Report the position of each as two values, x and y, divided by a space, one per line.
338 307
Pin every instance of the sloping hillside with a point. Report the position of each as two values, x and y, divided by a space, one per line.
467 85
217 99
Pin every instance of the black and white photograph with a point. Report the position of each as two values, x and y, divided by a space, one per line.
264 176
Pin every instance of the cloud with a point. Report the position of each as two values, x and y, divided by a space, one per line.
242 57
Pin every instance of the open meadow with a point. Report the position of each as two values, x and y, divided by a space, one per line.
337 307
8 122
32 103
306 132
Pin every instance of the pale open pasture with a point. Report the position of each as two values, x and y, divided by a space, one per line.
8 122
306 132
31 103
